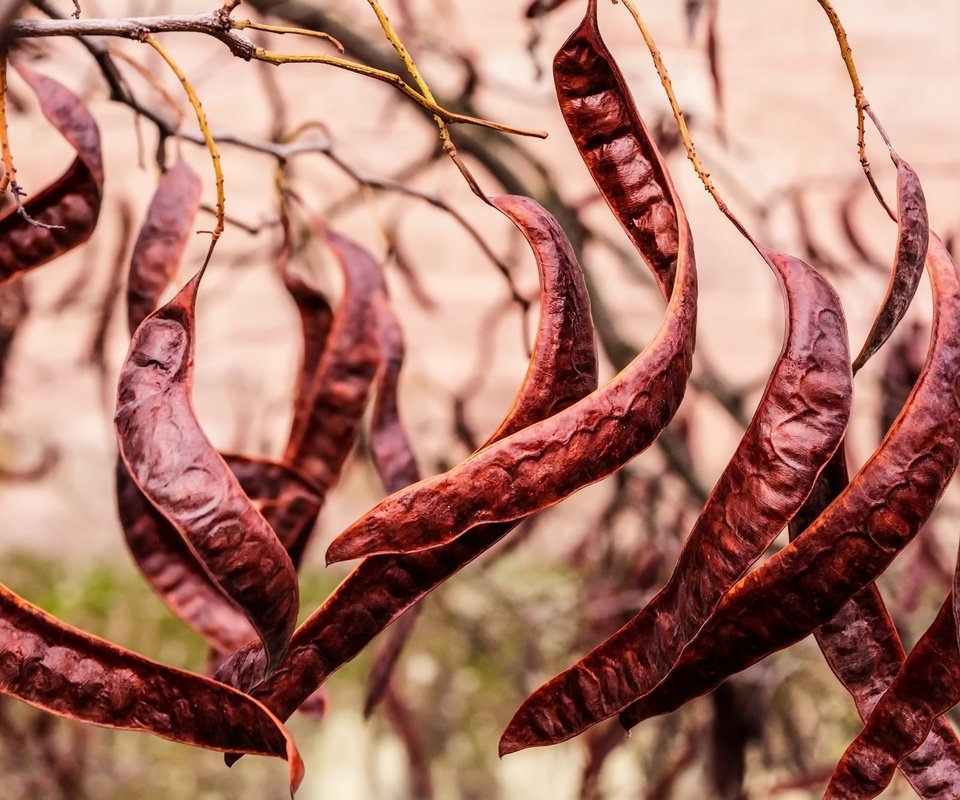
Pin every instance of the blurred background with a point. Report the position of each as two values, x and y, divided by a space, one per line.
770 107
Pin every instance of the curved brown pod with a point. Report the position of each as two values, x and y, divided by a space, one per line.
396 464
179 471
911 251
73 674
390 447
799 422
322 436
899 729
71 204
316 320
381 588
539 466
853 540
161 240
172 570
609 134
863 649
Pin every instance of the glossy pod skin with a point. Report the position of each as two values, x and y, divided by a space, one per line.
382 588
73 674
863 649
397 467
609 133
539 466
316 320
178 470
913 234
161 240
328 416
904 723
799 422
168 564
853 540
71 203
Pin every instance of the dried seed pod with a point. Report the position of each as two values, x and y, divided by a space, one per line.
161 240
392 454
912 237
322 437
904 723
863 649
855 538
172 570
397 466
71 204
617 148
380 589
73 674
539 466
798 424
179 471
316 320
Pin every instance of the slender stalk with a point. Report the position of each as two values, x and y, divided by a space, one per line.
448 146
208 138
682 124
863 107
219 25
9 179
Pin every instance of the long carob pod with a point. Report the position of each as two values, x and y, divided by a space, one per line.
381 588
69 207
178 470
861 643
798 424
395 462
174 572
161 240
322 436
863 649
73 674
903 726
853 540
316 320
913 234
541 465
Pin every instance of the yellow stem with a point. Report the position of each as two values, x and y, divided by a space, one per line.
860 99
240 24
447 141
207 136
681 122
450 117
9 171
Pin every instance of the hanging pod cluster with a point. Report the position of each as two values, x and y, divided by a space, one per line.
220 536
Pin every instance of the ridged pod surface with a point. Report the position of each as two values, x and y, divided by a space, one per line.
71 204
382 588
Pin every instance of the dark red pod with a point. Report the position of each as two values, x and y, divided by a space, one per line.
73 674
911 251
175 573
179 471
799 422
538 466
863 649
905 726
161 240
71 204
382 588
328 415
853 540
